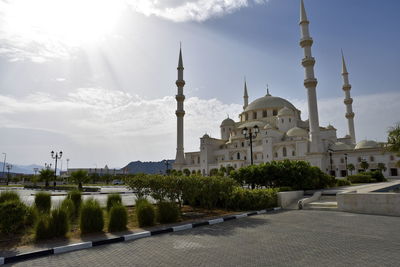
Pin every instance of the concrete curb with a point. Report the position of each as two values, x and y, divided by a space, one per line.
130 237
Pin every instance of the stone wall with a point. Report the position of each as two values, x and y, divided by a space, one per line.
285 199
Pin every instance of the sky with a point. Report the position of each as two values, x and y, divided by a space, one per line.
96 78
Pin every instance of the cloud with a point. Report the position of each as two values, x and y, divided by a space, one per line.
194 10
114 127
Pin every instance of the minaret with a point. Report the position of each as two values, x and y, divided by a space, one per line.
348 101
310 82
180 112
245 96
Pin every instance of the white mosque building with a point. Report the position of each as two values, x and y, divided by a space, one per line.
278 133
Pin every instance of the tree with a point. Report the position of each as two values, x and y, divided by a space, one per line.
364 165
186 172
382 167
94 177
106 178
393 141
46 175
351 168
79 177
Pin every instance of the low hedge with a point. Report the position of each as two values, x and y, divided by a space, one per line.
43 202
257 199
76 197
118 218
12 216
367 177
69 207
145 213
91 219
167 212
342 182
9 195
63 188
113 199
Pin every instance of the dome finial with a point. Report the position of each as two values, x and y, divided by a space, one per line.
268 94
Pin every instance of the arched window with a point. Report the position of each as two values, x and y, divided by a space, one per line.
275 112
276 154
254 115
238 155
242 144
290 120
371 158
391 157
293 153
223 130
265 114
282 120
284 151
359 159
341 160
246 117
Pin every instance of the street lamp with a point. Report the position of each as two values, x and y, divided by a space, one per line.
250 134
166 165
4 163
345 162
56 156
330 159
9 167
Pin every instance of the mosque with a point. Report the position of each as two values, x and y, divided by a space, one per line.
271 129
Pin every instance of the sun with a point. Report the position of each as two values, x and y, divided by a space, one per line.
70 22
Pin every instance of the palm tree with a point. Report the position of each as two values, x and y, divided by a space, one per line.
79 177
382 167
351 168
364 165
46 175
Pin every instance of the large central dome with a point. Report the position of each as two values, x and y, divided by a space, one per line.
268 102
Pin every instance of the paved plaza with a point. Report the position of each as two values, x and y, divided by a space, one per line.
287 238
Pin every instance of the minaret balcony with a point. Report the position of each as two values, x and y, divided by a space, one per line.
180 98
180 83
350 115
348 101
308 61
180 113
310 83
306 41
346 87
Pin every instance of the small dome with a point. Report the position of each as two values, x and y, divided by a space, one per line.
330 127
268 126
367 144
228 122
269 101
206 136
285 111
296 131
340 146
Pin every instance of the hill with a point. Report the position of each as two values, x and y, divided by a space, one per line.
149 167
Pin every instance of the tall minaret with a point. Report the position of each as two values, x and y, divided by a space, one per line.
180 112
310 82
348 101
245 96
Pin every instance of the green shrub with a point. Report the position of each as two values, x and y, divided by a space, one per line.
167 212
285 189
12 216
343 182
91 219
76 197
257 199
145 213
58 223
42 228
31 216
43 202
361 178
9 195
378 176
113 199
118 218
68 206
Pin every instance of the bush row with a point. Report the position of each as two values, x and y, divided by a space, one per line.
147 214
367 177
299 175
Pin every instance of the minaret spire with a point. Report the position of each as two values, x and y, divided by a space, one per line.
180 113
348 101
245 95
310 82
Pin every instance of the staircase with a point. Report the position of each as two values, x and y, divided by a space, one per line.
328 203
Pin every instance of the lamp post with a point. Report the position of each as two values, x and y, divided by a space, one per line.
250 134
9 167
4 164
330 159
345 162
56 156
166 166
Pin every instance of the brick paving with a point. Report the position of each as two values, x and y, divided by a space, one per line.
288 238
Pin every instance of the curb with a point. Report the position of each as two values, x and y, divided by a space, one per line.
129 237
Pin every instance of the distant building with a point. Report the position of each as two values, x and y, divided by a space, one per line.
99 171
282 133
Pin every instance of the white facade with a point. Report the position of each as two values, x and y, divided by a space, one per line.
284 135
